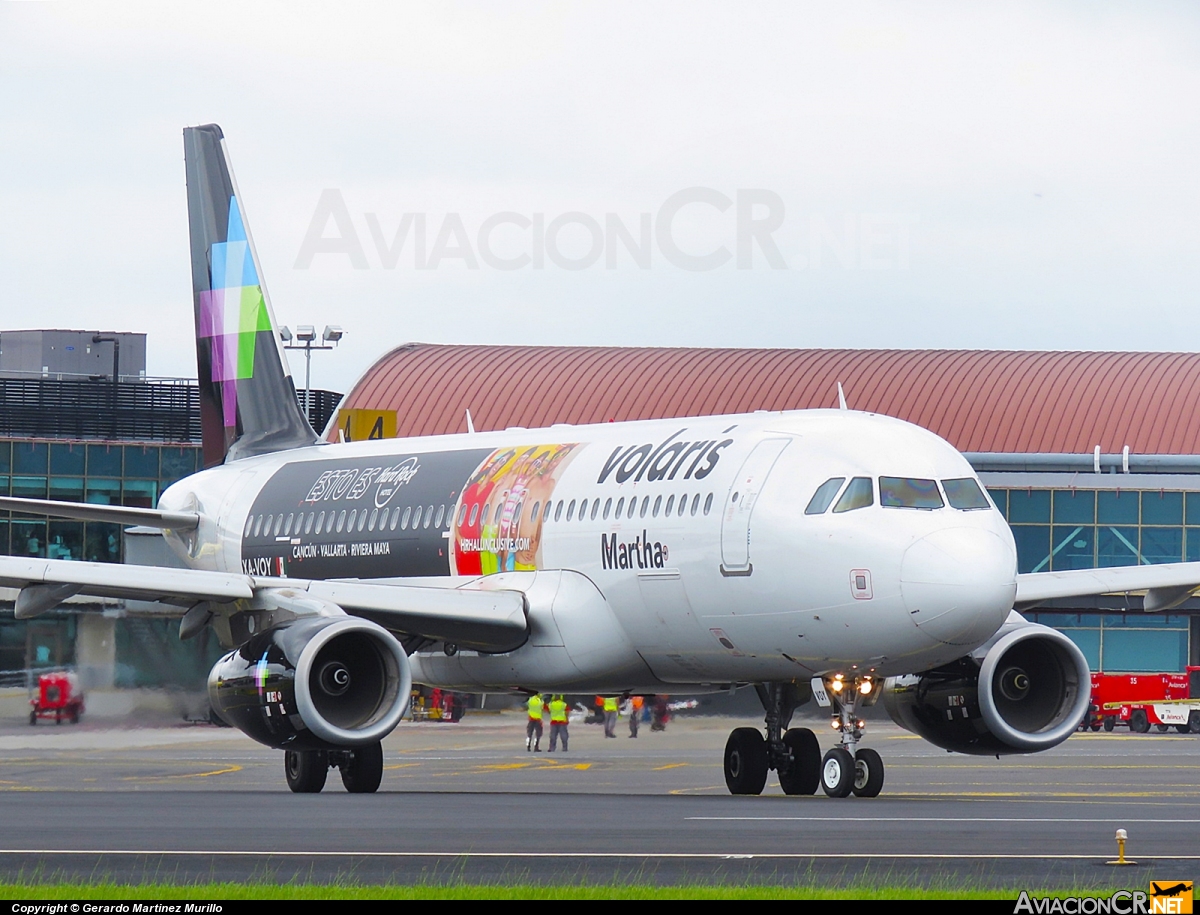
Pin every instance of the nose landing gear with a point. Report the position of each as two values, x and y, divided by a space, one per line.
846 769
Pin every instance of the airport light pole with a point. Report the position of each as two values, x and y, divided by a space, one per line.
306 339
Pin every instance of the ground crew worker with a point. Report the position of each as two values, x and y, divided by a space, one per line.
533 730
611 704
635 714
558 722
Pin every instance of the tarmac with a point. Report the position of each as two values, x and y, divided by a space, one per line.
466 801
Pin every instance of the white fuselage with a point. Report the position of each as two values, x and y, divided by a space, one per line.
740 585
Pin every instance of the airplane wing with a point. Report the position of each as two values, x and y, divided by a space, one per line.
1164 586
488 620
90 511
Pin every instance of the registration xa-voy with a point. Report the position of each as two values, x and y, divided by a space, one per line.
826 555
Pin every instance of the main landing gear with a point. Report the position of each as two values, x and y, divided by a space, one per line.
794 753
361 768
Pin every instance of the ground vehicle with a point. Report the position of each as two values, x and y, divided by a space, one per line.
1144 699
59 696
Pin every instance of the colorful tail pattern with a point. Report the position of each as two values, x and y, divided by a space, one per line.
247 398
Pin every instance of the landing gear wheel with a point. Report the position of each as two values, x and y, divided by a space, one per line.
364 772
1109 723
1138 722
804 774
837 772
868 774
306 770
745 761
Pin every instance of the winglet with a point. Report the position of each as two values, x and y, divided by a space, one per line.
841 398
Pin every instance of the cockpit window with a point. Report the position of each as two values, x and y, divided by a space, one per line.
824 495
965 494
858 494
905 492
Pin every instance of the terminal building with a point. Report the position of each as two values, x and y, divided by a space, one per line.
1094 459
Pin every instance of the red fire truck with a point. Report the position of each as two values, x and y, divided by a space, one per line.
1138 701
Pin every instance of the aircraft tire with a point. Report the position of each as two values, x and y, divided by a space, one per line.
364 772
745 761
306 770
837 772
804 774
1139 723
868 773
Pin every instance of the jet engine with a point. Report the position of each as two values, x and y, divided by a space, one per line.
314 684
1025 690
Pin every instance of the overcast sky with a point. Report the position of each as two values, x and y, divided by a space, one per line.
877 175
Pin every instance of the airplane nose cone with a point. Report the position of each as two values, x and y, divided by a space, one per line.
959 584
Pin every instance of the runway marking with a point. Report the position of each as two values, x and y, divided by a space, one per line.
159 778
402 766
720 856
669 766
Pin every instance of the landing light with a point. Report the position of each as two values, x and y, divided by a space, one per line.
836 686
865 687
836 724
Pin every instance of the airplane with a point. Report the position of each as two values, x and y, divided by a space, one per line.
826 555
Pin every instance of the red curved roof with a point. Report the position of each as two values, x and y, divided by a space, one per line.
979 400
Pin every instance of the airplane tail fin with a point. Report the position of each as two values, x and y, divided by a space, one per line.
248 401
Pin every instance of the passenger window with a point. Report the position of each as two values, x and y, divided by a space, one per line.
905 492
620 507
707 503
353 517
859 494
571 510
546 511
657 506
487 510
558 510
645 506
362 519
428 517
670 505
632 507
440 515
320 522
341 521
258 526
824 495
288 526
583 509
595 508
533 515
383 518
308 522
462 513
374 518
474 513
695 504
965 494
249 526
608 508
682 504
395 518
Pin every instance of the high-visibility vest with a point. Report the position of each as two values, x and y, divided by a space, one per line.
535 707
637 702
610 703
558 712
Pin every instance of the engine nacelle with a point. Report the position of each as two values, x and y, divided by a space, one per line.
1025 690
314 683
